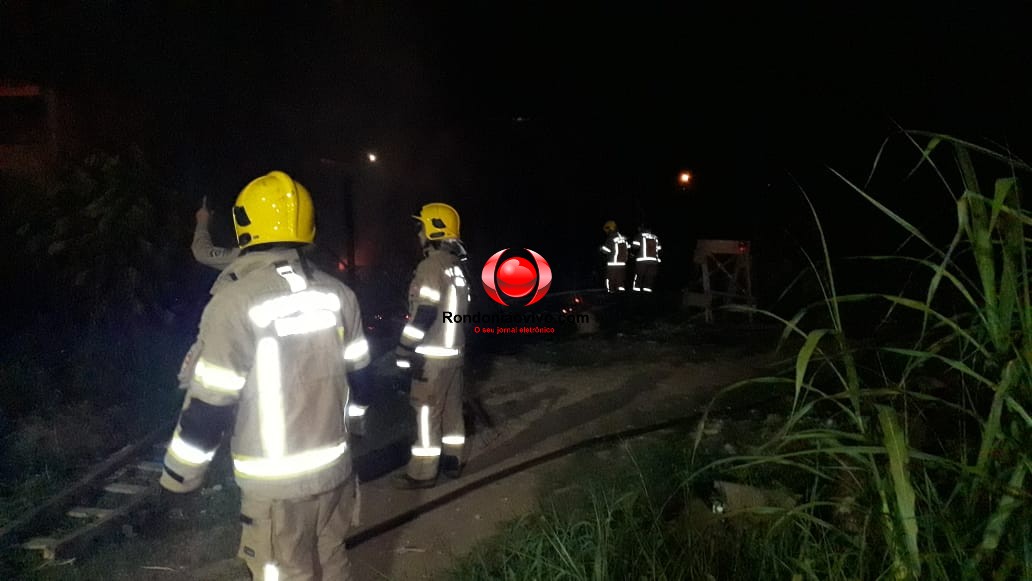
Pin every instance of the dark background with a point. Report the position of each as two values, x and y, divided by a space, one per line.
539 122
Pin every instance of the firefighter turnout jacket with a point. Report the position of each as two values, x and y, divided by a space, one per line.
616 252
278 348
432 345
439 292
615 249
646 247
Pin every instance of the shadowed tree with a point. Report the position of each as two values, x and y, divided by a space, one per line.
108 234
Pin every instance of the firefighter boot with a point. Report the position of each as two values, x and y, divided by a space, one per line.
451 467
405 482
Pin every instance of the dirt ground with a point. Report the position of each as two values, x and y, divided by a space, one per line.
540 408
541 398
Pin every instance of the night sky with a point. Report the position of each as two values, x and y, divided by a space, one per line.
537 122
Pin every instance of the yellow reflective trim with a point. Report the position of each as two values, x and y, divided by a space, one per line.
217 378
424 425
356 350
288 466
453 440
280 307
187 453
422 452
449 328
413 333
430 294
436 351
270 398
305 322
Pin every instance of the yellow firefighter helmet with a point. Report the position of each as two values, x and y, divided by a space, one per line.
274 208
440 221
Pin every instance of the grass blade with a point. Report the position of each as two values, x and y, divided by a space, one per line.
895 441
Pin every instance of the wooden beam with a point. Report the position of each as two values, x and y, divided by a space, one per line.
54 508
24 90
75 541
123 488
89 512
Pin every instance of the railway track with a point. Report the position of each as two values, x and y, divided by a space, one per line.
127 483
96 504
121 490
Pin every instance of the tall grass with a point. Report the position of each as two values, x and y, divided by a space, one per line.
953 505
908 459
631 520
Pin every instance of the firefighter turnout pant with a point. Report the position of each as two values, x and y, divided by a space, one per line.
299 539
436 397
616 278
644 275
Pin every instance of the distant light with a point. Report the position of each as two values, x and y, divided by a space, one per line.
341 266
685 177
371 157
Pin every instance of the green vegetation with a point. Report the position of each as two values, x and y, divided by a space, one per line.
102 304
110 237
906 458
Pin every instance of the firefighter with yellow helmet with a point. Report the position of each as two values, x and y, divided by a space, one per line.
615 250
432 349
280 347
218 257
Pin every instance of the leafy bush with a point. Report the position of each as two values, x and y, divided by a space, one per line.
107 309
111 237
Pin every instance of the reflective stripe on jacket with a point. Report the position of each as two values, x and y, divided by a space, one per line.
439 283
275 345
615 250
647 247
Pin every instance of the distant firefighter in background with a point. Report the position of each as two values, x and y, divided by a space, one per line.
204 250
646 249
217 257
616 252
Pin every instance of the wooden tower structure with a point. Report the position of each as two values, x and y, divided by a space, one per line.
726 267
